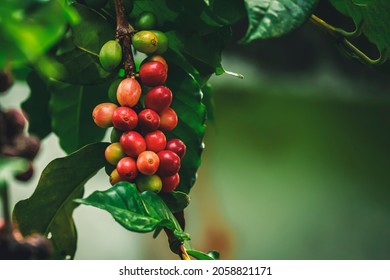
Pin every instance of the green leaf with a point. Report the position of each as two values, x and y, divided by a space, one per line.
71 112
208 100
49 210
176 201
200 255
372 17
274 18
187 102
135 211
10 166
36 106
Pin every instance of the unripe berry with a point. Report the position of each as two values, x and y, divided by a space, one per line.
127 168
168 119
145 21
155 141
124 118
158 98
110 55
162 42
145 42
112 91
132 143
114 153
148 162
153 73
128 92
148 120
149 183
170 183
169 163
177 146
102 114
115 177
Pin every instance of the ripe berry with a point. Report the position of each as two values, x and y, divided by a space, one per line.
102 114
132 143
157 58
145 42
169 163
149 183
155 141
148 120
170 183
168 119
115 177
158 98
148 162
128 92
124 118
177 146
114 153
110 55
6 81
162 42
145 21
153 73
15 121
127 168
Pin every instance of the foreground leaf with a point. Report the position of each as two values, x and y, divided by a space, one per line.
200 255
274 18
49 210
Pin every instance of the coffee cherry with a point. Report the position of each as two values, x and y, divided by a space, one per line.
157 58
148 183
148 162
115 177
132 143
145 21
110 55
102 114
169 163
115 135
177 146
27 174
114 153
148 120
168 119
155 141
129 92
170 183
23 146
15 122
158 98
127 168
153 73
162 42
112 91
6 81
145 42
124 118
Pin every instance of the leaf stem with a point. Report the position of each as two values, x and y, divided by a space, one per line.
176 246
124 34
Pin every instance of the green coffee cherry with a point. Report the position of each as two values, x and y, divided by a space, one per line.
162 42
110 55
112 91
145 42
150 183
146 21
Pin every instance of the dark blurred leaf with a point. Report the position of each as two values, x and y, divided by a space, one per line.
228 12
50 208
208 100
71 111
135 211
36 106
214 254
176 201
274 18
187 102
200 255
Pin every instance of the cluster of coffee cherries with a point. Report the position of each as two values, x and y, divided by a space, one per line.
140 151
14 142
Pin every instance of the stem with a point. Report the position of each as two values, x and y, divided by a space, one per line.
176 246
124 34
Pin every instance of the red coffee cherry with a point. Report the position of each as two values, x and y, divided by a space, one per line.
170 183
168 119
148 162
127 168
102 114
132 143
148 120
128 92
153 73
169 163
114 153
158 58
155 141
177 146
124 118
158 98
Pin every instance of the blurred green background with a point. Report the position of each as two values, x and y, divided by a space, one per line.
296 165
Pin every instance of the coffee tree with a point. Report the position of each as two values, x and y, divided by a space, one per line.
140 69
